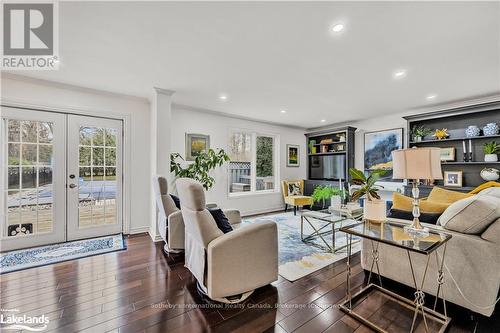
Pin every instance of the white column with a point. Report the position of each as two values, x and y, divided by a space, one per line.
161 144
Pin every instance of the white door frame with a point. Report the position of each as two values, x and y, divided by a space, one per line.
127 140
74 231
58 233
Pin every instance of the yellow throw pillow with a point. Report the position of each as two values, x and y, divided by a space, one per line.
401 202
441 195
484 186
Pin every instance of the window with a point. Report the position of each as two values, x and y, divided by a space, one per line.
254 163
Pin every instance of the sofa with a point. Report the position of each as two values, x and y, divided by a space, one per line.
472 254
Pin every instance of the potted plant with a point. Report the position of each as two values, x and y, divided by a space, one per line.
322 193
491 149
374 207
199 169
419 132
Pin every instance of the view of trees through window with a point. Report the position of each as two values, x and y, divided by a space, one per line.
245 150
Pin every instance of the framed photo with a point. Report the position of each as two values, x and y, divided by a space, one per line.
453 178
293 157
378 148
448 154
196 144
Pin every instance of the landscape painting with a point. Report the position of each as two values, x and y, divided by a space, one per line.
378 148
293 155
196 144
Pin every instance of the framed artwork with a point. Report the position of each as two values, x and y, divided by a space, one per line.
378 148
453 178
292 153
196 144
448 154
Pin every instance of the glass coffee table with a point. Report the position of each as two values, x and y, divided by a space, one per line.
324 223
391 233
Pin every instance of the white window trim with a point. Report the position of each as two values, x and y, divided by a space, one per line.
253 165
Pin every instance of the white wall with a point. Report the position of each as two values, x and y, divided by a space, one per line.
45 94
186 120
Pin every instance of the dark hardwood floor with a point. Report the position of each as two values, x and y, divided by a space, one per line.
142 290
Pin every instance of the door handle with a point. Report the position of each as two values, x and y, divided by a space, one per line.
72 185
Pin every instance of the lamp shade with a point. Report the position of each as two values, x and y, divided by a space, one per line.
417 163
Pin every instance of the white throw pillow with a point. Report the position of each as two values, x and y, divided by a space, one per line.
471 215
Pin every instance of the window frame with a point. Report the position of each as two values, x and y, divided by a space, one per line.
253 164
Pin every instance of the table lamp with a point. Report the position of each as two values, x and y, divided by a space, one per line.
415 164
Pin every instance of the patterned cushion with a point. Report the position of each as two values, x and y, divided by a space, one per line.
294 188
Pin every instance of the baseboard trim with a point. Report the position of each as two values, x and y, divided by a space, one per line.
154 237
139 230
254 212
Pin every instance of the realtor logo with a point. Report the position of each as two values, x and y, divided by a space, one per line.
29 35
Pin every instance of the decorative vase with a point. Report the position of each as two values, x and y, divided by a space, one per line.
472 131
335 201
417 138
374 210
490 174
490 129
491 158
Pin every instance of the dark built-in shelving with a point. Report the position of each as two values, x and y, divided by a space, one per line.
456 121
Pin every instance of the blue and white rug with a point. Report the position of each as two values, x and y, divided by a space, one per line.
296 258
51 254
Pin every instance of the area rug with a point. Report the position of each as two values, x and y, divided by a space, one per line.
51 254
296 258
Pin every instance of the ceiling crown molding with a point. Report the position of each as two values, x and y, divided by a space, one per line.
62 85
162 91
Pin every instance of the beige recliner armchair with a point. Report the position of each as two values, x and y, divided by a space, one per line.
228 267
170 222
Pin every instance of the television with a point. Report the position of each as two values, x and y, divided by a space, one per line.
331 167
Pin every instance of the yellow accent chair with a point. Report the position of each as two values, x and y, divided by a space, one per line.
293 194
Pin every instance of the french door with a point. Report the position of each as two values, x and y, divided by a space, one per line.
60 177
94 177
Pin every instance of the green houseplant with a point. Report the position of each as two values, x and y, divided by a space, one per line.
491 149
201 166
374 207
323 193
419 132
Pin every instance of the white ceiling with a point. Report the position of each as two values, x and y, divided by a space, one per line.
272 56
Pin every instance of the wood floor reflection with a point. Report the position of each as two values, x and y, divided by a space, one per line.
142 290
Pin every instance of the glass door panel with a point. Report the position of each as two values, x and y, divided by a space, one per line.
33 160
94 152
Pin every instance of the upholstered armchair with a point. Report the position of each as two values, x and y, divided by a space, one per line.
228 267
170 223
296 199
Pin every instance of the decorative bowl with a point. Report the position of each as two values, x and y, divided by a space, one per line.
490 174
491 129
472 131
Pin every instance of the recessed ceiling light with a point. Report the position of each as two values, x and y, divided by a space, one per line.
323 120
223 97
399 74
338 28
431 97
283 111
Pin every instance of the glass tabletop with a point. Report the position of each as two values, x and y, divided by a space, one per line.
328 216
392 233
